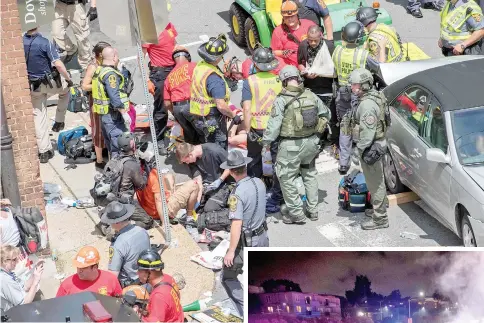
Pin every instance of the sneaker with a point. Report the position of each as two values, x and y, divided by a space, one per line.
371 225
58 126
100 165
416 13
313 216
44 157
343 170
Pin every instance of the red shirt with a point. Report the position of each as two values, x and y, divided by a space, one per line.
247 67
160 54
164 304
280 41
178 82
106 284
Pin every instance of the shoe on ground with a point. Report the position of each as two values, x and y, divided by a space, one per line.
416 13
69 57
343 170
58 126
369 213
313 216
287 219
100 165
432 5
44 157
371 225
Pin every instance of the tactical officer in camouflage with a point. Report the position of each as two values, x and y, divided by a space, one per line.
298 118
369 123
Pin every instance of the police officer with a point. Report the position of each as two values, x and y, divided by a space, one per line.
369 126
258 94
393 49
72 12
44 69
110 100
127 244
461 28
210 95
249 228
298 118
347 58
315 10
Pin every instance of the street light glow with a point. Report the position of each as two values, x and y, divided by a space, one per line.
422 294
361 313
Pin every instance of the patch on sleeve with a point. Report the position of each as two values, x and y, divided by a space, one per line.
477 17
373 46
112 81
232 203
321 2
274 112
369 120
111 253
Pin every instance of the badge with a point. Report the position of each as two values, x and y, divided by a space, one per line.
373 46
274 112
112 81
111 254
370 120
103 290
232 203
477 17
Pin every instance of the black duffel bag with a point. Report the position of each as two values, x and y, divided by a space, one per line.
214 212
80 150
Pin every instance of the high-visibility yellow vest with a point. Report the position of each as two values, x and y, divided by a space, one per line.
394 46
451 22
346 60
200 100
100 98
264 87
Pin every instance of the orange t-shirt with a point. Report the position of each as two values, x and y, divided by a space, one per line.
146 197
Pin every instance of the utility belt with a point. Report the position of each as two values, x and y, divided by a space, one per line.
296 138
159 68
247 236
211 122
48 80
184 102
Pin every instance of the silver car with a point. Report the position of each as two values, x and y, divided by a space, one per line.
436 139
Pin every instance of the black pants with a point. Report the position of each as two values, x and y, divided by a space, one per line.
212 128
181 112
160 115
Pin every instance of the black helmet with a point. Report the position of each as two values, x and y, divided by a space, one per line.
150 260
353 32
127 142
264 59
214 48
366 15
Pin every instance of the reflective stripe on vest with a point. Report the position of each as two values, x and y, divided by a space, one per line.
394 47
346 60
264 87
101 101
452 22
200 100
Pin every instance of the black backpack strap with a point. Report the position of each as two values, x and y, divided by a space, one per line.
351 176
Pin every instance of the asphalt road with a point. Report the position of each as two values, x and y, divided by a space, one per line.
198 19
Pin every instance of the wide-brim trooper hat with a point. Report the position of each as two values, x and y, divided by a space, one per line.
117 212
235 159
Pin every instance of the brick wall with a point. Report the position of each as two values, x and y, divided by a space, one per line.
20 118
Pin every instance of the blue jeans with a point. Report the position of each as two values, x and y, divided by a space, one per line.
112 127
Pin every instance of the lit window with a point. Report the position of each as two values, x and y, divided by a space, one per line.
308 308
298 309
287 309
270 309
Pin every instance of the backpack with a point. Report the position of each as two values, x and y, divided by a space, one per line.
65 136
213 212
353 195
109 181
32 228
77 101
80 147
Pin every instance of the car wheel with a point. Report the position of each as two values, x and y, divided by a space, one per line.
468 238
237 24
392 180
251 34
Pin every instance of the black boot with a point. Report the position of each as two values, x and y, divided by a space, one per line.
288 219
313 216
58 126
44 157
416 13
343 169
372 225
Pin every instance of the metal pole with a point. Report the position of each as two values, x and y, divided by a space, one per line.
166 219
9 174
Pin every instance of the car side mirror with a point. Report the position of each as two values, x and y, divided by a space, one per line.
437 155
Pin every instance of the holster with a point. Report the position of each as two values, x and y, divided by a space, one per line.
34 84
237 267
56 77
373 153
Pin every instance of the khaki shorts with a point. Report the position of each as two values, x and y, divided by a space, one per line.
179 200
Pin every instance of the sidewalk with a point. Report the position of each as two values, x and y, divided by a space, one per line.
71 229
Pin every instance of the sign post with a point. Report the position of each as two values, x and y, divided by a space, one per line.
34 13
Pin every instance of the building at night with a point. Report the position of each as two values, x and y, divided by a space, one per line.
301 304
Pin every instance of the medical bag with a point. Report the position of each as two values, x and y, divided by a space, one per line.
67 135
353 194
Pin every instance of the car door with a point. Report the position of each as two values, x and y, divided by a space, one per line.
402 136
435 178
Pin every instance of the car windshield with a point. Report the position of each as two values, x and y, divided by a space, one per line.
469 135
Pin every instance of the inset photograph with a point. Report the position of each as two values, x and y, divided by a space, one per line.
365 287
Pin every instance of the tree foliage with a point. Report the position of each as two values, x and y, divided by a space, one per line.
280 285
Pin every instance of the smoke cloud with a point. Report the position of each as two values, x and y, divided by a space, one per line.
461 277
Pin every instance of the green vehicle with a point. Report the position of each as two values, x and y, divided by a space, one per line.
252 21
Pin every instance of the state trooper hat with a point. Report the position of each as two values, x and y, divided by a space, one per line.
235 159
117 212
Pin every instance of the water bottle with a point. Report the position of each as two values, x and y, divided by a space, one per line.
69 202
50 188
85 202
54 255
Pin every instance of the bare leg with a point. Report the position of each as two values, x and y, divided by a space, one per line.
192 200
99 154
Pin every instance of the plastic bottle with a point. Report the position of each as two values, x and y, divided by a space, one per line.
85 202
408 235
54 255
69 202
50 188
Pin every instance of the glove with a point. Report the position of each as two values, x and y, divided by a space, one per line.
214 185
151 87
92 13
127 120
237 120
70 83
